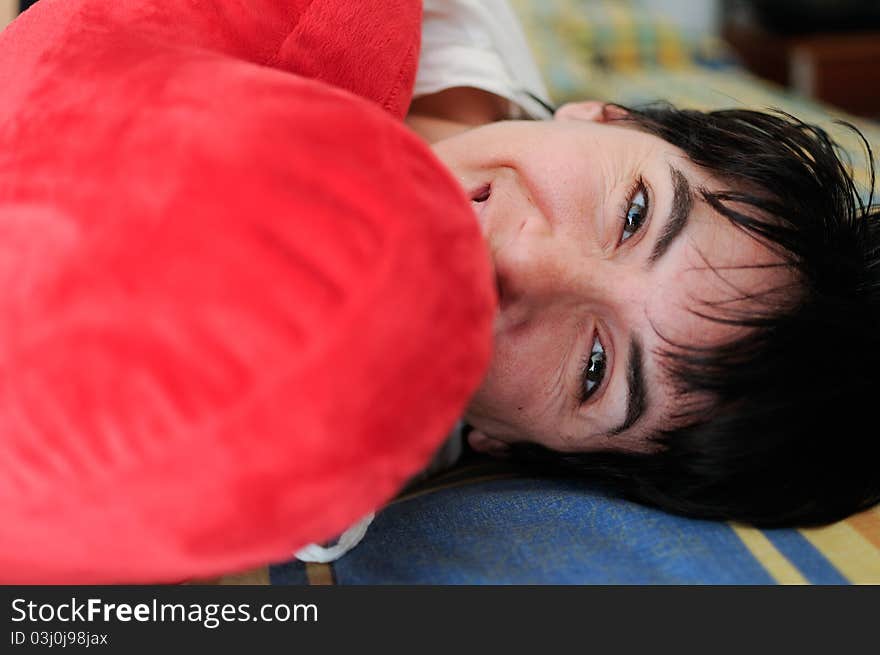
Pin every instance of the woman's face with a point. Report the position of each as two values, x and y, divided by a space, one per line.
600 244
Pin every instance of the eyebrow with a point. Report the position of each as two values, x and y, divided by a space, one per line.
682 203
637 397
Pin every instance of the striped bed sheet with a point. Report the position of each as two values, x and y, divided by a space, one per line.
484 524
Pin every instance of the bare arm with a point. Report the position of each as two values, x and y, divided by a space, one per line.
452 111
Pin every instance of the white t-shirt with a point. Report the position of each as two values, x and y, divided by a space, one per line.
473 43
479 43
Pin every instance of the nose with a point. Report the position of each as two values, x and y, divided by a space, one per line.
539 268
549 259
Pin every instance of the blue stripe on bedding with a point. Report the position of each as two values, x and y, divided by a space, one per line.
542 531
529 531
805 556
289 573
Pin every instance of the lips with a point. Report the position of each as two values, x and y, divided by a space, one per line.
479 199
481 194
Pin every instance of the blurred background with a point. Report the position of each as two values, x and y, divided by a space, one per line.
824 49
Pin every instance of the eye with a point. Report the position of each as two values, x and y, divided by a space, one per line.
636 210
593 370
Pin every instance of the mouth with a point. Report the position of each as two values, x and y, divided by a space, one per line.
479 198
481 193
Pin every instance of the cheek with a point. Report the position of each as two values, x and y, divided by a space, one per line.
521 384
506 386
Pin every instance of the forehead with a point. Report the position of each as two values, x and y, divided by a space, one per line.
715 270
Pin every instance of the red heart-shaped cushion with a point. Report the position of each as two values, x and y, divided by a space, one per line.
239 308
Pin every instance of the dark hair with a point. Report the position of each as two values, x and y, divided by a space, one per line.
792 433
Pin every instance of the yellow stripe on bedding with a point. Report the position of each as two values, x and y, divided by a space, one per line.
848 546
319 574
776 564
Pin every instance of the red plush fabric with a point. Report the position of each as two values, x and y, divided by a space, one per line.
367 47
239 307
